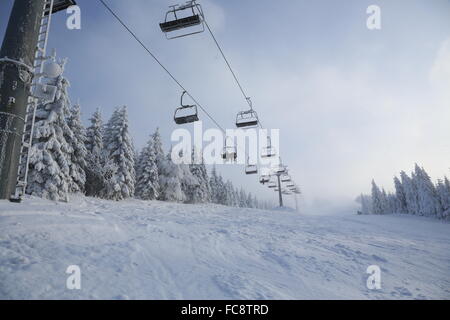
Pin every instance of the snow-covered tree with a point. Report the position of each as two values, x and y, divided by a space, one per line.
400 196
170 179
230 195
242 198
249 201
366 203
147 185
95 173
378 205
409 188
119 148
50 157
443 192
77 139
201 192
214 185
426 193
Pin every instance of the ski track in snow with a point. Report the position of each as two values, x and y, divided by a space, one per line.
155 250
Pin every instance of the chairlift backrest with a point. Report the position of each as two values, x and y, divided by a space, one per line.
245 119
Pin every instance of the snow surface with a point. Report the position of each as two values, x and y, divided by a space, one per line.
156 250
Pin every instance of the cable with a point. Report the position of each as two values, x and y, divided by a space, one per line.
246 97
160 63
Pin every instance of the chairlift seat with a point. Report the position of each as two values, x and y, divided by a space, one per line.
180 23
251 169
264 179
268 152
229 153
272 185
247 118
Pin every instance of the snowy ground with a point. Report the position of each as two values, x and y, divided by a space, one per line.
155 250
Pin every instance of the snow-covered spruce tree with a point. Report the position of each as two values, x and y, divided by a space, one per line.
378 205
77 139
96 159
229 190
119 149
242 198
189 182
236 197
49 167
214 185
366 204
409 187
201 192
391 201
147 185
400 196
221 191
443 192
94 135
426 192
160 157
170 177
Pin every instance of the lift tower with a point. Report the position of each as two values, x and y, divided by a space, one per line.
25 35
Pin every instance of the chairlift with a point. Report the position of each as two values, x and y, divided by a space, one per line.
268 151
272 184
229 151
286 192
248 118
285 178
290 185
174 20
263 179
250 168
280 169
185 113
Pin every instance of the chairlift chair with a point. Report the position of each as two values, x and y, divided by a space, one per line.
263 179
272 184
290 185
185 113
229 152
251 168
247 119
285 178
174 22
268 151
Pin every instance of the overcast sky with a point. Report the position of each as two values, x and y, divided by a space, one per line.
352 104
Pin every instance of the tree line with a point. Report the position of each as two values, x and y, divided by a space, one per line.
414 194
101 161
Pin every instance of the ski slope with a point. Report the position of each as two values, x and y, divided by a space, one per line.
155 250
